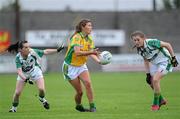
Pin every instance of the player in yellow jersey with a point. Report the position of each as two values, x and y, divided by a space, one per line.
74 68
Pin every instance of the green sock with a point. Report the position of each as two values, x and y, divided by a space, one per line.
15 104
156 99
92 105
161 98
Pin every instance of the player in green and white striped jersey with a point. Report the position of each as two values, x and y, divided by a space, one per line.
159 59
28 67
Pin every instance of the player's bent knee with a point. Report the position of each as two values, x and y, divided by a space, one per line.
156 80
80 93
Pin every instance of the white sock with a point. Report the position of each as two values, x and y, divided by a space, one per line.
42 99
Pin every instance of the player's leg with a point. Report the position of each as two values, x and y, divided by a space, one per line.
41 88
78 88
19 88
85 77
71 74
162 101
37 76
157 90
78 96
163 69
153 70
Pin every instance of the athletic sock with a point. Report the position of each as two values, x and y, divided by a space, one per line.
42 99
15 104
92 105
156 99
161 98
14 107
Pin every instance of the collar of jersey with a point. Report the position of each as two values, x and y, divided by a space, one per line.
83 36
22 57
145 44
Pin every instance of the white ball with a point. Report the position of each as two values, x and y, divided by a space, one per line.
105 57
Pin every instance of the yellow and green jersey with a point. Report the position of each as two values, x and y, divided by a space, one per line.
85 43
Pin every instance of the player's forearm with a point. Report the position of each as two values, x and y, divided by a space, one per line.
95 58
20 73
50 51
84 53
168 47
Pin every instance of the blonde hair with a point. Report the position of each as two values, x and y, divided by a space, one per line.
138 33
79 26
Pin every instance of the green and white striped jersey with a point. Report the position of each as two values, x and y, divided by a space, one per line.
30 62
153 51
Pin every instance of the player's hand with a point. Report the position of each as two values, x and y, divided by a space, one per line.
96 51
29 81
61 47
26 80
174 61
148 78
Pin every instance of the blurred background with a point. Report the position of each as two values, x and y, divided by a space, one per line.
46 23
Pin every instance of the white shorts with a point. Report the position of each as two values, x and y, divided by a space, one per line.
72 72
34 75
163 67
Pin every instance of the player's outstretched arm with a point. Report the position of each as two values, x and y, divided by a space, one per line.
51 51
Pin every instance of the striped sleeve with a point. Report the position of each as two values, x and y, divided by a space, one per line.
154 43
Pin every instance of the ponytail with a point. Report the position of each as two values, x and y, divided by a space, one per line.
13 48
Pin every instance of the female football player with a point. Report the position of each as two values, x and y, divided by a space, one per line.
74 67
159 59
28 67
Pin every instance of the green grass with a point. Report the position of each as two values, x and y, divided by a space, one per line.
117 96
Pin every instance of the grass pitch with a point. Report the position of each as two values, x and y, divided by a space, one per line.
117 96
